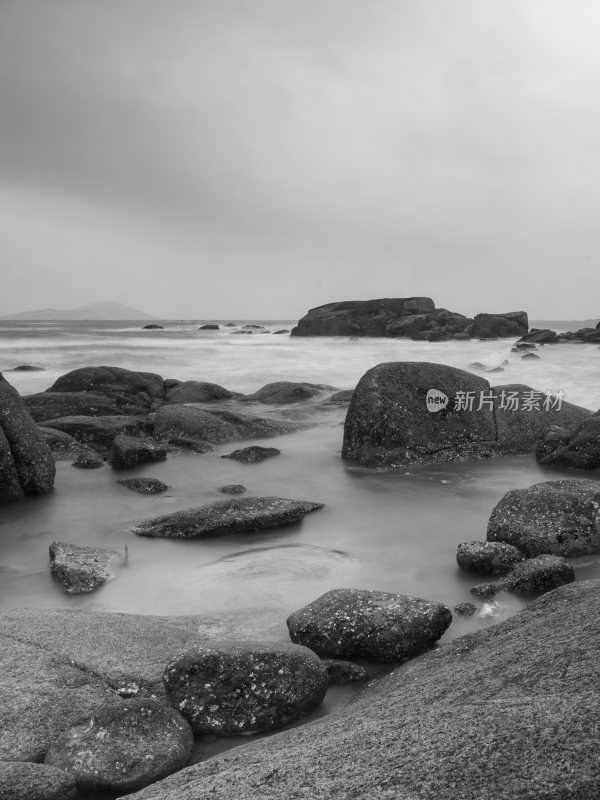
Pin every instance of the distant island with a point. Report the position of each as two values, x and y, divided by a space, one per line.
105 309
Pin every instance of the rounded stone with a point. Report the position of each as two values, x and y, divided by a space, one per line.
487 558
226 688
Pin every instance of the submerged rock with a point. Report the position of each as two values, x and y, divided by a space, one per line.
144 485
126 745
487 558
531 576
23 780
243 515
341 672
82 569
377 626
61 444
577 447
465 609
285 392
227 688
197 392
130 451
557 517
217 425
233 488
87 459
252 454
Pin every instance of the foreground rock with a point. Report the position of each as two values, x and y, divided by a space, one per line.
144 485
131 451
577 448
97 432
239 515
21 780
377 626
197 392
531 576
285 392
229 688
26 464
404 413
507 712
487 558
252 454
81 569
125 746
341 672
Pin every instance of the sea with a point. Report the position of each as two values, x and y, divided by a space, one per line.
393 530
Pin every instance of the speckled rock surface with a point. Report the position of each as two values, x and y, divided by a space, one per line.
132 392
239 515
197 392
252 454
143 485
559 517
130 451
216 425
531 576
285 392
81 569
578 448
126 745
507 712
233 687
377 626
87 459
22 780
98 432
341 672
233 488
487 558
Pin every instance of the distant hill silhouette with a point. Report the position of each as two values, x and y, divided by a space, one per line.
105 309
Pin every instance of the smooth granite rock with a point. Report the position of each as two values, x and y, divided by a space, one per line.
82 569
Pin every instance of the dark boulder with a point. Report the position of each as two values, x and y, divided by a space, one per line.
125 746
233 488
539 336
576 447
144 485
391 420
377 626
27 368
229 688
252 454
208 327
27 465
283 330
62 445
98 432
87 459
153 327
341 397
530 356
531 576
465 609
557 517
341 672
217 425
133 392
23 780
52 405
82 569
487 558
197 392
189 443
284 392
131 451
490 326
240 515
359 317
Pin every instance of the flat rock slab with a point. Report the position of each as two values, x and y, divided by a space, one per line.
233 687
126 745
252 454
82 569
238 515
377 626
558 517
22 780
508 712
130 451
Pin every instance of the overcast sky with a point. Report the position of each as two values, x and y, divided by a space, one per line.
255 158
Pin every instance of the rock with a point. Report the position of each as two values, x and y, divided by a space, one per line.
578 447
41 693
82 569
233 687
126 745
461 337
489 326
521 346
557 517
178 443
61 444
496 369
133 392
283 330
341 672
247 332
22 780
87 459
487 558
230 325
538 336
130 451
243 515
233 488
253 327
465 609
53 405
343 396
530 356
284 392
252 454
28 368
377 626
502 713
98 432
197 392
359 317
477 365
27 466
143 485
389 421
152 327
217 425
208 327
532 576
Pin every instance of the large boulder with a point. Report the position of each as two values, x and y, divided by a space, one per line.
391 420
133 392
577 447
539 336
98 432
507 712
558 517
487 558
217 425
239 515
131 451
124 746
490 326
22 780
227 688
52 405
197 392
82 569
26 463
377 626
359 317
